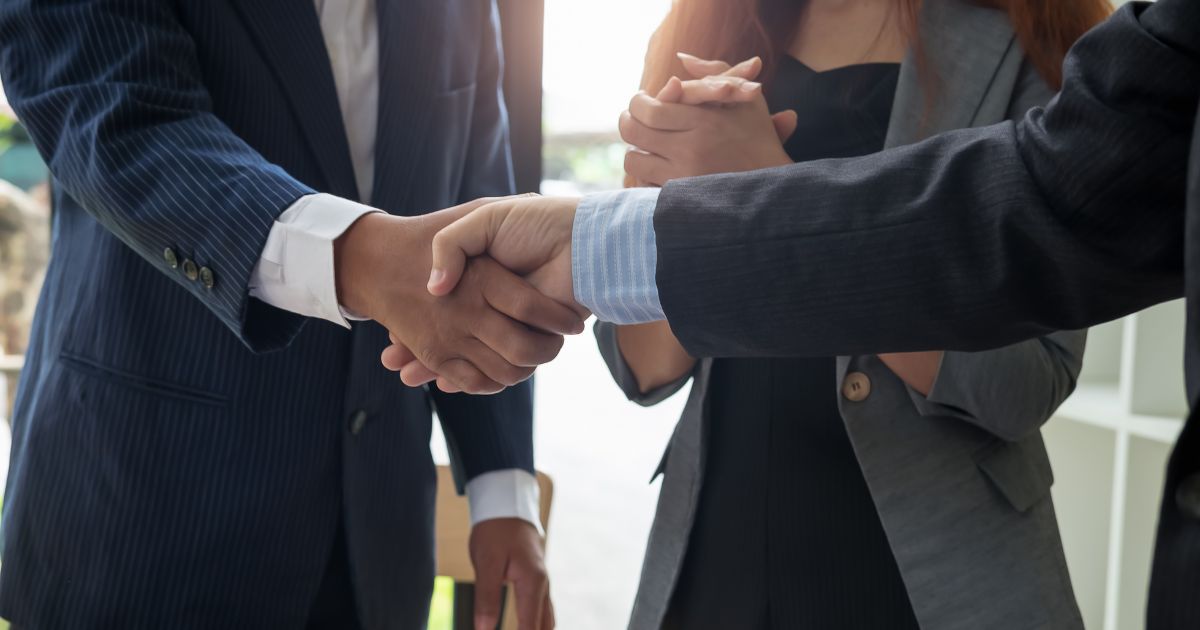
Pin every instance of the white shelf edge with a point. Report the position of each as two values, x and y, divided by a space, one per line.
1100 405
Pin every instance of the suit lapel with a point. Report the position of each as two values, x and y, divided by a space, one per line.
410 33
289 36
965 45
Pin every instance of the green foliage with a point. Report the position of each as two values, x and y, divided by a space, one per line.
8 128
441 608
591 161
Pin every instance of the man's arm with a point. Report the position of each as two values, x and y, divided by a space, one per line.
112 95
970 240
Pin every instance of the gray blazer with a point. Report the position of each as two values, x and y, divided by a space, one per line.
961 478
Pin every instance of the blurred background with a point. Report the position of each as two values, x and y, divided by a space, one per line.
572 66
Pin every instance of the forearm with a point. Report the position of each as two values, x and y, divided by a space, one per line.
490 441
1009 391
123 119
653 354
970 240
487 433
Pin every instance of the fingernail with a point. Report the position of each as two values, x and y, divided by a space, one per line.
750 86
683 55
435 277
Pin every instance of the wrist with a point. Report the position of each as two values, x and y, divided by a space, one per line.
781 158
357 253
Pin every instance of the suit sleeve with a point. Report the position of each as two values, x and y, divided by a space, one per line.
111 93
488 433
610 351
970 240
1010 391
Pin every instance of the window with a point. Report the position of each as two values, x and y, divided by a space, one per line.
593 64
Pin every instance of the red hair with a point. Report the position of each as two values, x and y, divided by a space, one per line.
733 30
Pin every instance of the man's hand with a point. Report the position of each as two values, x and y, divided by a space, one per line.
510 550
489 335
529 235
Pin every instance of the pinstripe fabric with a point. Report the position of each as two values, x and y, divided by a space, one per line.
167 471
613 262
975 239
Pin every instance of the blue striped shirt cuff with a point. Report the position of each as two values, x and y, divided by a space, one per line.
614 256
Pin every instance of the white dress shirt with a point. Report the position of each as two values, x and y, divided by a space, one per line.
295 271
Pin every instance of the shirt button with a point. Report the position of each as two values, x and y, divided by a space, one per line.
171 259
856 387
207 278
357 422
1187 496
190 269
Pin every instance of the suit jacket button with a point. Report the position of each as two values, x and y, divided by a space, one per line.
171 259
856 387
206 278
1187 496
357 422
190 269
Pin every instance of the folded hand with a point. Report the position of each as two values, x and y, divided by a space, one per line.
717 124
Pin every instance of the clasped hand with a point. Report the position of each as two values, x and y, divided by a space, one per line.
489 334
500 291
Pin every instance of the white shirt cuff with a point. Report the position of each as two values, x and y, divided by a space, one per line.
295 271
511 493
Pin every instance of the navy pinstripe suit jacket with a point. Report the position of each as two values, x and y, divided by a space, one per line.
181 455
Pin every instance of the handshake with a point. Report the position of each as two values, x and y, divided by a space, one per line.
474 297
500 293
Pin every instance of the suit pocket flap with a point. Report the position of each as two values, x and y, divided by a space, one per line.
1019 470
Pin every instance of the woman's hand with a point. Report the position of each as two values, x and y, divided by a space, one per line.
717 124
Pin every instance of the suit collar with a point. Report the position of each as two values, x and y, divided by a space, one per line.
288 34
965 45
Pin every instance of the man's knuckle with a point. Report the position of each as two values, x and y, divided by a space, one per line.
524 308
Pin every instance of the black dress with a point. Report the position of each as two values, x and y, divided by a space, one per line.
786 534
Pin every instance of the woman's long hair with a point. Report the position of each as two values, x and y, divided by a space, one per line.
733 30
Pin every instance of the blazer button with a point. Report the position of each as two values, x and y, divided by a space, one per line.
1187 496
856 387
171 259
190 269
357 422
206 278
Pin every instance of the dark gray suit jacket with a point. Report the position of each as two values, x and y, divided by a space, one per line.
960 478
975 239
